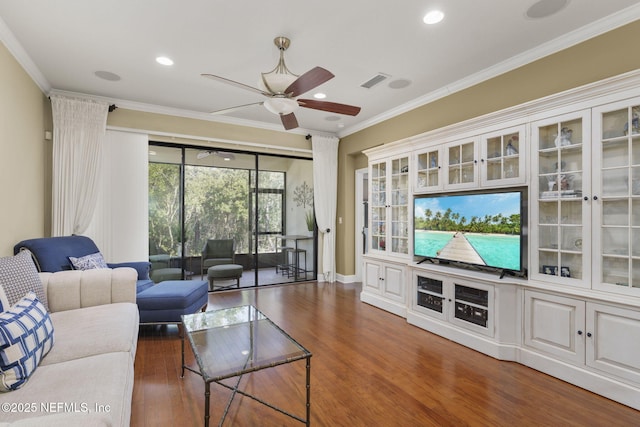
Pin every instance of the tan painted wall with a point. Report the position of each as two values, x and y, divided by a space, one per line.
596 59
23 154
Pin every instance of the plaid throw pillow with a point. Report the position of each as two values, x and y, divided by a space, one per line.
18 275
26 336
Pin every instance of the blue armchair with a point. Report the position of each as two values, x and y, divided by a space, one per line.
52 254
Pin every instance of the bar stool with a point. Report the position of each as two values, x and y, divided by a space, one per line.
296 271
285 266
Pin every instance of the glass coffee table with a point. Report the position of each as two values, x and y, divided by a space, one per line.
231 342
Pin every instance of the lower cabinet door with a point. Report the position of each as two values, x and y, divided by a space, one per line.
372 276
613 340
393 283
555 325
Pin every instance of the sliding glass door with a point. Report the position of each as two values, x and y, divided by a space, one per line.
199 199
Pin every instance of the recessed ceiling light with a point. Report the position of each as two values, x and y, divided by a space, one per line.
320 95
433 17
164 60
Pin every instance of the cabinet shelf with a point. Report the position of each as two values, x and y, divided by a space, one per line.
549 151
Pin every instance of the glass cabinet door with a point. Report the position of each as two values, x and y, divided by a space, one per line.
428 170
617 189
399 205
461 164
378 203
561 214
501 159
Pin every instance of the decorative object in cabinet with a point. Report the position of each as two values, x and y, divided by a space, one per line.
502 158
399 205
462 164
378 205
617 184
389 205
560 212
428 170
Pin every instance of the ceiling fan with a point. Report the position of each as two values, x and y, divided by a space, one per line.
222 154
282 88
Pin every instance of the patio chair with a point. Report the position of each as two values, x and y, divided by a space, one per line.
218 252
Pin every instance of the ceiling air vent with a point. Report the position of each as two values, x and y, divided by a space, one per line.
378 78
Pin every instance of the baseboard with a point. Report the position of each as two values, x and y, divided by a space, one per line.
347 279
399 309
486 345
583 377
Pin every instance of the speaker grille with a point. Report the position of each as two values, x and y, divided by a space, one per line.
377 79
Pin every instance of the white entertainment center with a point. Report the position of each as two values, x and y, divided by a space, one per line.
576 314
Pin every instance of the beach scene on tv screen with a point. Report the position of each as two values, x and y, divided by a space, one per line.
481 229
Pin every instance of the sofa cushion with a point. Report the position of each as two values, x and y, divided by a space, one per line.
88 262
26 336
52 253
97 385
19 276
93 330
167 301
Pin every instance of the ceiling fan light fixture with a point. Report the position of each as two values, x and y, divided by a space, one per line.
281 106
222 154
276 82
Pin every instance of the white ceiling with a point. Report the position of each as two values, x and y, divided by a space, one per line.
63 43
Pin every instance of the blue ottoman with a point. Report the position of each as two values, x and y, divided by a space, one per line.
168 300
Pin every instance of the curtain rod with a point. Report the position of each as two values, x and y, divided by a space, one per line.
112 107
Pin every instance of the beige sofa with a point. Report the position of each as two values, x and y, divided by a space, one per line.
87 377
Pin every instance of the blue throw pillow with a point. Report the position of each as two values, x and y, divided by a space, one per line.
26 336
88 262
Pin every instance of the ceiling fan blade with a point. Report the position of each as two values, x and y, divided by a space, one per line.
312 78
332 107
235 83
231 109
289 121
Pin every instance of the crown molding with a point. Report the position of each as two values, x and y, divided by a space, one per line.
568 40
18 52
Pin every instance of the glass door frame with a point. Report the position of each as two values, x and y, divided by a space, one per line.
253 202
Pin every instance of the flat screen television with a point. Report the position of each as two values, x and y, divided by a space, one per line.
479 229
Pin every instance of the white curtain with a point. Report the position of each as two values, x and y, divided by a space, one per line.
120 224
325 183
78 133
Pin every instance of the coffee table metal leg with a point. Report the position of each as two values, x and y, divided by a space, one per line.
308 391
181 329
207 395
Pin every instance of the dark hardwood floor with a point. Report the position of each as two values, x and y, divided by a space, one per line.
369 368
